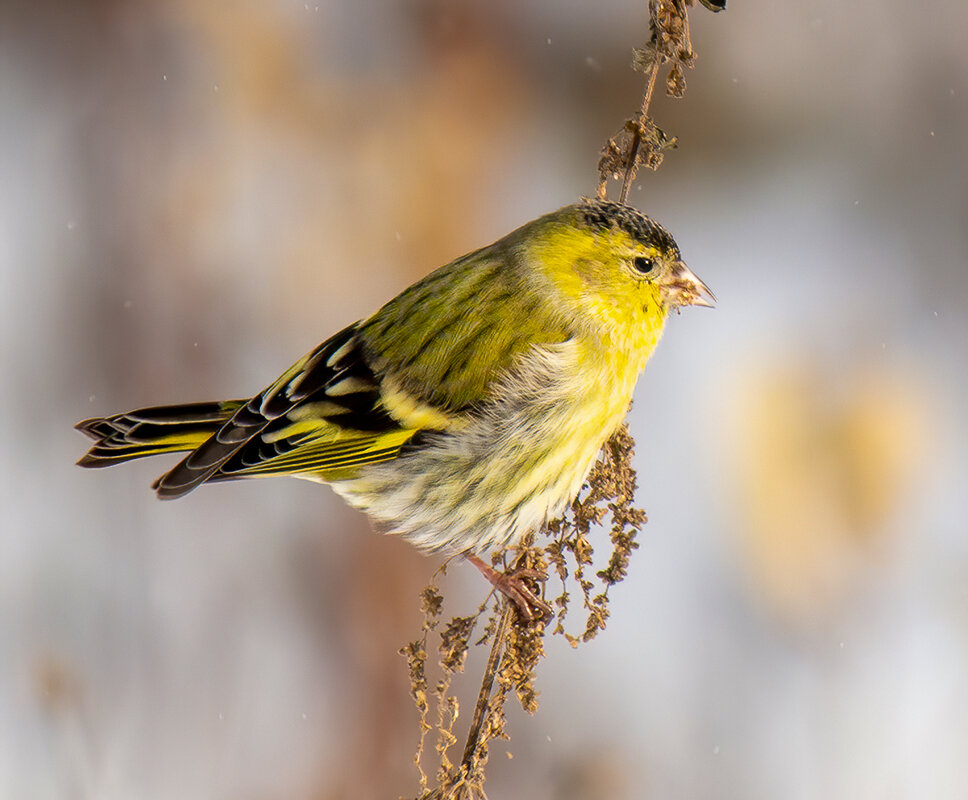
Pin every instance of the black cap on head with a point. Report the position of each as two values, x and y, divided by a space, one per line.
605 215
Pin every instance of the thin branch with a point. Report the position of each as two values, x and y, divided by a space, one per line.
633 160
640 141
487 685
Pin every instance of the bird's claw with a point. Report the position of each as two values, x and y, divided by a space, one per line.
513 585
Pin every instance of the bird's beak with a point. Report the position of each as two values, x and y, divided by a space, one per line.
685 289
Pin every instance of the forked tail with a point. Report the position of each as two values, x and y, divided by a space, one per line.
151 431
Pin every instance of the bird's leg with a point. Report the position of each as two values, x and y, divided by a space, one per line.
512 585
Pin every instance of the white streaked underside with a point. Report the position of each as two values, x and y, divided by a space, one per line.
516 464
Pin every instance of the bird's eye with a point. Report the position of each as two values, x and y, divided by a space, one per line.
643 265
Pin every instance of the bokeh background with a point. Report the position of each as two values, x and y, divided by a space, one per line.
193 194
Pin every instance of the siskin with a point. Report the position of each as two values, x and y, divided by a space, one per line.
468 410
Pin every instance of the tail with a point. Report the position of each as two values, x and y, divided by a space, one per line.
151 431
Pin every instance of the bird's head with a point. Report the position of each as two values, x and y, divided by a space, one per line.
617 266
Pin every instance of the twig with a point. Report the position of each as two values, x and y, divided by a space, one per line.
487 685
633 159
640 141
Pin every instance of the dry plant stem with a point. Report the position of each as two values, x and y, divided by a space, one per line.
632 166
487 685
516 642
608 494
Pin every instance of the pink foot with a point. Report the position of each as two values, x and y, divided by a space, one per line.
513 586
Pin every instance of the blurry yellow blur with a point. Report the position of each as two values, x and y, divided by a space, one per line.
826 464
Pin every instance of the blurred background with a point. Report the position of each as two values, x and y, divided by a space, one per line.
194 194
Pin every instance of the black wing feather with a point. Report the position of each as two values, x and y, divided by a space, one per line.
335 372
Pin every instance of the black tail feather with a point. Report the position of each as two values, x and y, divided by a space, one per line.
152 431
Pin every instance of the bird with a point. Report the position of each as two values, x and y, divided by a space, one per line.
468 410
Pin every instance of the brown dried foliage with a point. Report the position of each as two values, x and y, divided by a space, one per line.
641 142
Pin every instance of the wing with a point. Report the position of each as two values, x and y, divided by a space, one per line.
448 340
323 415
428 360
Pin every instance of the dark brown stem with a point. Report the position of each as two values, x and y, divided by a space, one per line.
631 166
487 684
